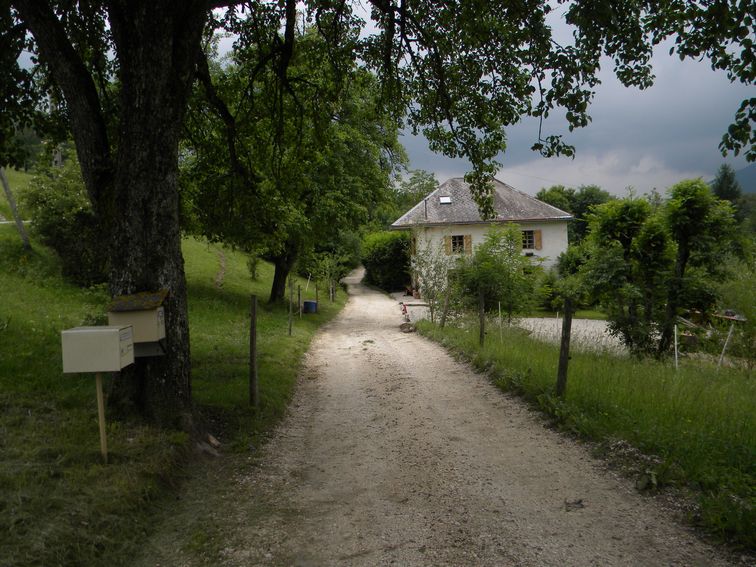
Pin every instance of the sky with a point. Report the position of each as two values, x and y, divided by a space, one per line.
637 139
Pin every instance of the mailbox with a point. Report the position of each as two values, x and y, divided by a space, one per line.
97 349
145 312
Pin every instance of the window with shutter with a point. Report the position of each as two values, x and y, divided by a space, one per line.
448 244
537 239
528 239
457 244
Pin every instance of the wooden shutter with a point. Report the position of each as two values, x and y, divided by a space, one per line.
537 239
447 245
468 243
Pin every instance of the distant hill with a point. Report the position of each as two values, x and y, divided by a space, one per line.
747 178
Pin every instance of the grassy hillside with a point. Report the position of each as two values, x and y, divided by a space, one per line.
58 504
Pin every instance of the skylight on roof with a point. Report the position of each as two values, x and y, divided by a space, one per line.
444 200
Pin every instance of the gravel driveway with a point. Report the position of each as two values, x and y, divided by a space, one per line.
396 454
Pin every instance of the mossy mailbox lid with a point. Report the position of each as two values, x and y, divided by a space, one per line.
144 311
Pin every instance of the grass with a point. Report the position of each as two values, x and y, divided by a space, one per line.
698 426
58 504
18 181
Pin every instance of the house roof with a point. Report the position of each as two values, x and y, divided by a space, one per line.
510 205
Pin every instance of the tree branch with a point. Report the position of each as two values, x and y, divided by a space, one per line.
75 81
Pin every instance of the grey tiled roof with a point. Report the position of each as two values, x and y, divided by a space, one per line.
509 205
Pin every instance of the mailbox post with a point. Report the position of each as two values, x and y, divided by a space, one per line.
98 350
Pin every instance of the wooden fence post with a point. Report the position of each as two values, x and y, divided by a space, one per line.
482 315
254 398
564 349
299 300
291 303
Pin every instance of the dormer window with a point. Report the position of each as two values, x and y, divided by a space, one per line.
444 200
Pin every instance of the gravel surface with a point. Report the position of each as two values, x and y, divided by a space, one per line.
396 454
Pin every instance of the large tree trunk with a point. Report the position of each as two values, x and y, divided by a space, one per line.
135 193
144 214
283 263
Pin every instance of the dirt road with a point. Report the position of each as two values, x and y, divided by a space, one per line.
395 454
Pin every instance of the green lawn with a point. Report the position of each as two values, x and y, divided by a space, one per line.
58 504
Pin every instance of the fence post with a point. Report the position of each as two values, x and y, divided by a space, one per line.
724 348
254 399
564 348
677 365
299 300
291 303
482 316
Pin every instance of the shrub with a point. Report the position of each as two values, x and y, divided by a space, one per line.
385 256
64 221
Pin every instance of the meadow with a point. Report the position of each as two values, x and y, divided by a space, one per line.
694 429
59 505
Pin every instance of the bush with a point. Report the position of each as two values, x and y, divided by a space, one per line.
385 256
63 220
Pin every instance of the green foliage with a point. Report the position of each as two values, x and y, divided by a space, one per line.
63 219
726 186
579 202
737 294
646 262
628 268
499 272
386 258
558 196
694 428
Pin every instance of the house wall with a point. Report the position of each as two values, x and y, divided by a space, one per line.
553 237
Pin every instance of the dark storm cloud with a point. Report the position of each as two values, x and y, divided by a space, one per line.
643 139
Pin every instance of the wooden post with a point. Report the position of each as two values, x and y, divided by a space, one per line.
291 303
501 339
482 316
727 341
101 418
564 349
317 306
299 300
254 398
14 210
677 364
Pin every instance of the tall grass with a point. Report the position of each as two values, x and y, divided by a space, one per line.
58 504
699 425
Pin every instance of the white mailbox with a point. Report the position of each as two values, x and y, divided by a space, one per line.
97 349
145 312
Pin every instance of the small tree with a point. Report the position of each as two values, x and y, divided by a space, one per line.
498 272
431 266
701 225
629 261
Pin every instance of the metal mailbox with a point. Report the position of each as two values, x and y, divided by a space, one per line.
97 349
145 312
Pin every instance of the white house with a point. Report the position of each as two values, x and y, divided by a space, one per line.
449 215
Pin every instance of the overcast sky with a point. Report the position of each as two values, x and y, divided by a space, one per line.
639 139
